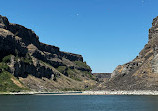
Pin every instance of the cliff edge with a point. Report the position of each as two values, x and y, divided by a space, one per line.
142 72
28 64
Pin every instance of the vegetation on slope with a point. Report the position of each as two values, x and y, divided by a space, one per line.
82 64
8 83
61 68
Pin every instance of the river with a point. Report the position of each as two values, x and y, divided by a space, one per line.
78 103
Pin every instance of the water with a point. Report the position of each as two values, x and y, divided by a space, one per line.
77 103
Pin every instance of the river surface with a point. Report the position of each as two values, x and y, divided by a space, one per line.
78 103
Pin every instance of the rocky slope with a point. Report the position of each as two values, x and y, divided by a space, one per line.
28 64
142 72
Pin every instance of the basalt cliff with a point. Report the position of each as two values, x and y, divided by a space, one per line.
28 64
142 72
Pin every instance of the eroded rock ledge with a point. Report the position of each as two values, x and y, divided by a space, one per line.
25 56
142 72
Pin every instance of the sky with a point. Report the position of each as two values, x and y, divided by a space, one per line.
107 33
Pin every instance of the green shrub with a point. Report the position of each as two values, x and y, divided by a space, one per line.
27 60
4 66
6 59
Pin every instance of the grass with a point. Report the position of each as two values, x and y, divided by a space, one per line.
89 75
73 74
82 64
61 68
6 84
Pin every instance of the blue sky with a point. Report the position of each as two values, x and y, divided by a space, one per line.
106 32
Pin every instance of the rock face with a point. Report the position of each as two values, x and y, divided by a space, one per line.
102 77
142 72
25 56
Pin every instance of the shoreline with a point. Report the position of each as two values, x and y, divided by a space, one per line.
134 92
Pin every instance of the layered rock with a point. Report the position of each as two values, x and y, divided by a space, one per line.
25 56
142 72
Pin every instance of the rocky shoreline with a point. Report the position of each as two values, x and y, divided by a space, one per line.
135 92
